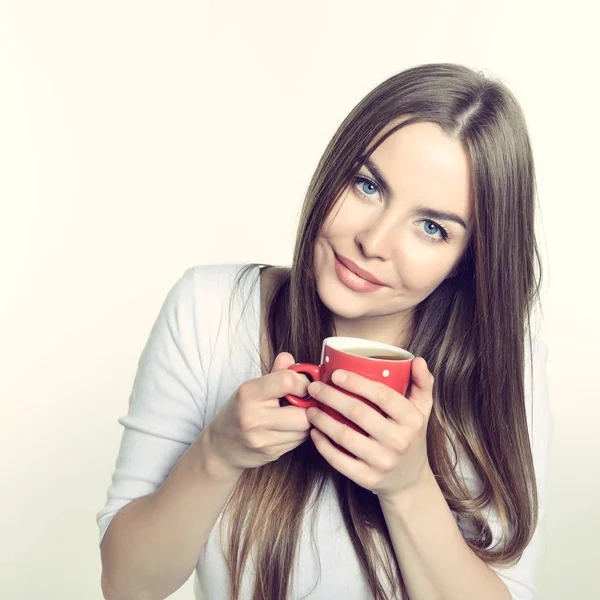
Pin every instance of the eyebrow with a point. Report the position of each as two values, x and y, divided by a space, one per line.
440 216
421 210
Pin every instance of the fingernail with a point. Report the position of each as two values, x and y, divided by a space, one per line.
314 388
339 376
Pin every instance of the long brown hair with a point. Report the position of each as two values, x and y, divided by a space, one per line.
471 330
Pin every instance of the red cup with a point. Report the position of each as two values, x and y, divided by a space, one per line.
387 364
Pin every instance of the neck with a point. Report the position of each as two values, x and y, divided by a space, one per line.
387 329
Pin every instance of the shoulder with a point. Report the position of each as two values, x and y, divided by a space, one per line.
202 296
219 277
211 283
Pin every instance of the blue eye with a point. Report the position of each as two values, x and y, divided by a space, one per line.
431 227
366 184
366 187
433 231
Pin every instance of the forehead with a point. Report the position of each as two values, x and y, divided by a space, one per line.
424 166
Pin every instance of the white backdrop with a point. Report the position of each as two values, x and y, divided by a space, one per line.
138 138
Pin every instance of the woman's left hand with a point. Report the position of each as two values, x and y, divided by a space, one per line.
394 456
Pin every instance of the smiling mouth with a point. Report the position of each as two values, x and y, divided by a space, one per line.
354 281
360 272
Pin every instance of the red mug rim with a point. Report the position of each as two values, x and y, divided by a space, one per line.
341 343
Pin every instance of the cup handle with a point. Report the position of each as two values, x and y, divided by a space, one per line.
314 373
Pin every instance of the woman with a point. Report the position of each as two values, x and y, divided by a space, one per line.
417 230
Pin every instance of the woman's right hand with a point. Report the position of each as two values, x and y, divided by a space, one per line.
252 429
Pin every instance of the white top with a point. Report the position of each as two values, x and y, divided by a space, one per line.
193 362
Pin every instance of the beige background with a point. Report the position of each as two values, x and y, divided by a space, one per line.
139 138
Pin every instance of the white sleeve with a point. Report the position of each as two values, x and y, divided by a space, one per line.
520 579
167 402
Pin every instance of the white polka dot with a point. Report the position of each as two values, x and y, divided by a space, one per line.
327 359
386 373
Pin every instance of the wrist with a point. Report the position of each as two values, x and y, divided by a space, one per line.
212 461
412 497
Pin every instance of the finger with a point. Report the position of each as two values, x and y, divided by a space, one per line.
275 385
351 467
282 361
391 402
288 439
282 449
362 414
362 447
285 381
287 418
421 391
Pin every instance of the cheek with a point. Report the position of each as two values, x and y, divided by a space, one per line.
345 217
424 265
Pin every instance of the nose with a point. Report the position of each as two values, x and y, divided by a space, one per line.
377 238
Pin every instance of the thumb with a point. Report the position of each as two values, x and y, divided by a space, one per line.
421 390
282 361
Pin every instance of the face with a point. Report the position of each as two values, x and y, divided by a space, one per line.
404 221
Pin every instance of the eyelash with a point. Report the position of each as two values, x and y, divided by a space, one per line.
360 179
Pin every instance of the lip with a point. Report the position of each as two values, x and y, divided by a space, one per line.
353 281
358 271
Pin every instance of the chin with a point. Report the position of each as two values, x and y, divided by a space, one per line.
346 304
341 301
